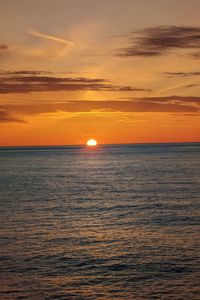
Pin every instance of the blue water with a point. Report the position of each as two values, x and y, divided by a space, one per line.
115 222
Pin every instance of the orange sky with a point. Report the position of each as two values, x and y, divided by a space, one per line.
117 71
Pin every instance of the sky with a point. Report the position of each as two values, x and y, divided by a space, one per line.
117 71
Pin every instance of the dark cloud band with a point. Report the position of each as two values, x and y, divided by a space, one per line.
162 40
32 81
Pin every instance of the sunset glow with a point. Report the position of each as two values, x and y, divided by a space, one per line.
106 69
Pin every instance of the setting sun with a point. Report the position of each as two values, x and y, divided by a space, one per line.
91 142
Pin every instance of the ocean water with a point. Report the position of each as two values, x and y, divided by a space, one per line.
115 222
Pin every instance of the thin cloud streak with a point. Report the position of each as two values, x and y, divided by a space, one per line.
181 74
50 37
179 85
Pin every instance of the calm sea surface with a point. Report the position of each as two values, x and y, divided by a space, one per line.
115 222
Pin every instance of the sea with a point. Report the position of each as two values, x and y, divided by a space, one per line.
109 222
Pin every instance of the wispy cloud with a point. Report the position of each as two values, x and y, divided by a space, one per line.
172 99
171 104
25 72
182 74
196 55
191 85
51 37
3 49
162 40
178 86
6 117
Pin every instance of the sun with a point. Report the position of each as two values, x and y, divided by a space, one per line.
91 143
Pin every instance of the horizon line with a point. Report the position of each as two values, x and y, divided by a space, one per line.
99 144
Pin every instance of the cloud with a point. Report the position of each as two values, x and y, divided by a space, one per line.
162 40
181 100
3 49
5 117
22 82
196 55
129 106
51 37
181 74
191 85
24 72
177 86
171 104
